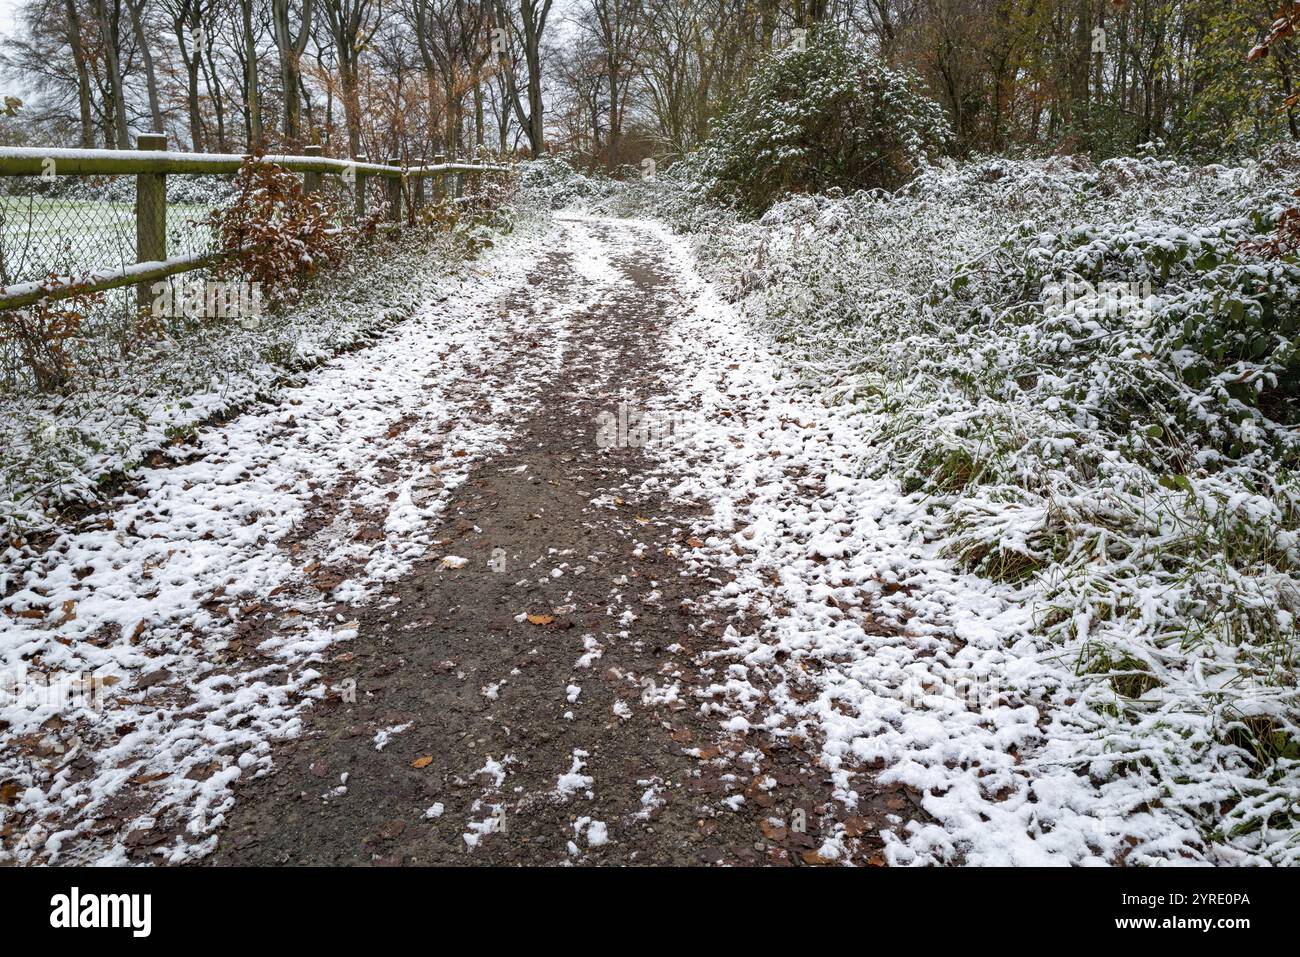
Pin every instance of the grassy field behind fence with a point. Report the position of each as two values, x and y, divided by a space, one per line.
39 235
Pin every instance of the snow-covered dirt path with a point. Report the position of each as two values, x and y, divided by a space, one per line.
563 570
531 692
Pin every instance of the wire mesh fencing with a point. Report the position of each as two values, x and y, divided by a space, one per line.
75 226
72 229
103 252
65 227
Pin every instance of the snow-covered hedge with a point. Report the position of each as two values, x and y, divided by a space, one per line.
1095 388
555 183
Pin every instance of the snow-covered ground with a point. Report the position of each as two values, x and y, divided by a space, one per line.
902 664
879 646
155 606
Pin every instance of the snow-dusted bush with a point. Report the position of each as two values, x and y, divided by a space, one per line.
821 117
1091 380
555 183
277 235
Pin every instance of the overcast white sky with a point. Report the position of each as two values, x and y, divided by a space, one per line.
7 8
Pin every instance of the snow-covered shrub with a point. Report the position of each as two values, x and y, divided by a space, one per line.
277 235
821 117
1090 377
556 183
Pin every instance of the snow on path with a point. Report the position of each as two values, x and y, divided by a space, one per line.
147 599
871 642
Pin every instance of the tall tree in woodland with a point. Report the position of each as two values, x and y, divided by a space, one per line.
291 48
72 23
579 111
187 22
351 25
478 51
252 92
222 18
618 25
448 34
419 17
108 16
502 84
692 56
136 8
527 21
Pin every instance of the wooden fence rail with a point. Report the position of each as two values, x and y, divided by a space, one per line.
151 164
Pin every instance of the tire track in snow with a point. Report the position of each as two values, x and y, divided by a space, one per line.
304 508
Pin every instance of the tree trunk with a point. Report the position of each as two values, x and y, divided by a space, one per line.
213 81
108 29
351 107
291 49
83 75
135 7
256 137
476 81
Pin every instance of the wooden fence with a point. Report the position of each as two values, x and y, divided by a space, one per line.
151 171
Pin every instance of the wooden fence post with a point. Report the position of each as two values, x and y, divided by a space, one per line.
395 192
150 214
311 182
439 184
361 189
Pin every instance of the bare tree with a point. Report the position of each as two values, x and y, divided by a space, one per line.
108 15
137 12
291 48
526 21
618 26
352 25
78 47
187 19
252 91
